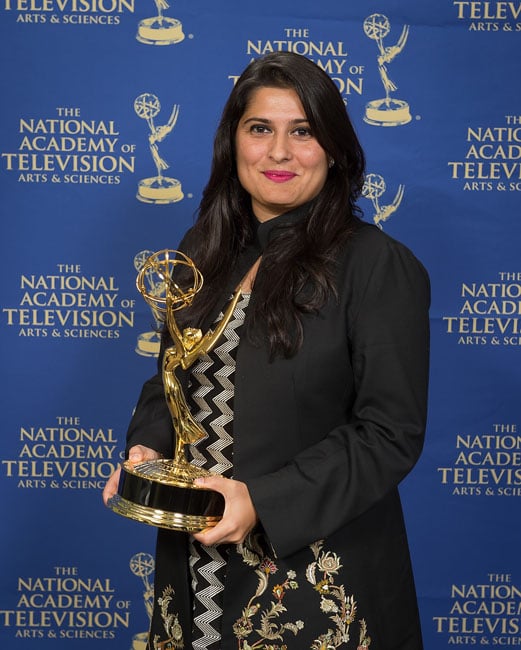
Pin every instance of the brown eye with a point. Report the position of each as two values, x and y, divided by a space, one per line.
303 132
259 128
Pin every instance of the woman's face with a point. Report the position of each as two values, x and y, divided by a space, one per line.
279 161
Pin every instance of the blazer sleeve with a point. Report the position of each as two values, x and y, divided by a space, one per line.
363 459
151 423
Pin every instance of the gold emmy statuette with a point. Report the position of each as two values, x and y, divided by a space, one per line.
162 492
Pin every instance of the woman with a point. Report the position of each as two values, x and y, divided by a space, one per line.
314 403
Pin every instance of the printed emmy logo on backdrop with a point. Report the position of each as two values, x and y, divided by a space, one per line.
386 111
142 565
160 30
489 16
489 158
489 313
70 12
149 343
328 53
157 189
485 463
69 302
56 607
480 610
374 187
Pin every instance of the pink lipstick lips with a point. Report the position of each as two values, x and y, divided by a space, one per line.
278 176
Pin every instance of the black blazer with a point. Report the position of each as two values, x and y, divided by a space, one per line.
323 439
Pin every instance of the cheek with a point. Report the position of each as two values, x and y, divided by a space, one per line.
315 162
243 158
243 169
319 172
251 154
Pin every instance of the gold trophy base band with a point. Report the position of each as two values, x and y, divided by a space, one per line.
160 31
161 518
381 112
162 493
159 190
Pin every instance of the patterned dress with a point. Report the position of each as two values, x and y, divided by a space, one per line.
211 401
210 396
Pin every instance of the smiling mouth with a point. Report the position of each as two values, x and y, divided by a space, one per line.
278 176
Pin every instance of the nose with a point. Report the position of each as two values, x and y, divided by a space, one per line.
280 150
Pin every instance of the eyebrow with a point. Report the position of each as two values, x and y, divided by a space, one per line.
264 120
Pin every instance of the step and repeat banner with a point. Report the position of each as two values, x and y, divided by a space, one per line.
107 119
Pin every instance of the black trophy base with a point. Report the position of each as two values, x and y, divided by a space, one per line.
151 494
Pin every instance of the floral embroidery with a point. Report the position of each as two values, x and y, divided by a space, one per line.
170 622
333 601
270 631
268 566
365 641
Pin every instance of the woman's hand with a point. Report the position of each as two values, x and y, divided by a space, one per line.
136 454
239 512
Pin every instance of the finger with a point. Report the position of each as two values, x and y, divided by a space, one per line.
136 454
217 483
139 453
211 536
222 533
239 515
111 486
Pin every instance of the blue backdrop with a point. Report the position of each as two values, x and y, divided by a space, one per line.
101 95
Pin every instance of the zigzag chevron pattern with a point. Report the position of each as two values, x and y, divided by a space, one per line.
212 406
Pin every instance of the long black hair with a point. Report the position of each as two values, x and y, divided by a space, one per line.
300 255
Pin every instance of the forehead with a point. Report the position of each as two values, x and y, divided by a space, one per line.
271 103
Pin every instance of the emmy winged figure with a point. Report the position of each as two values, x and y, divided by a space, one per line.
159 189
374 187
386 111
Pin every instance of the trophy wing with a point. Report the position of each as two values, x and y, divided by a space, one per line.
208 341
162 131
387 210
390 53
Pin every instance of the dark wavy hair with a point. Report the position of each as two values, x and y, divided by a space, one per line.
299 255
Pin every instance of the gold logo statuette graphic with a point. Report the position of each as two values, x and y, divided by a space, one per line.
374 187
160 30
149 343
386 111
142 565
162 492
158 189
